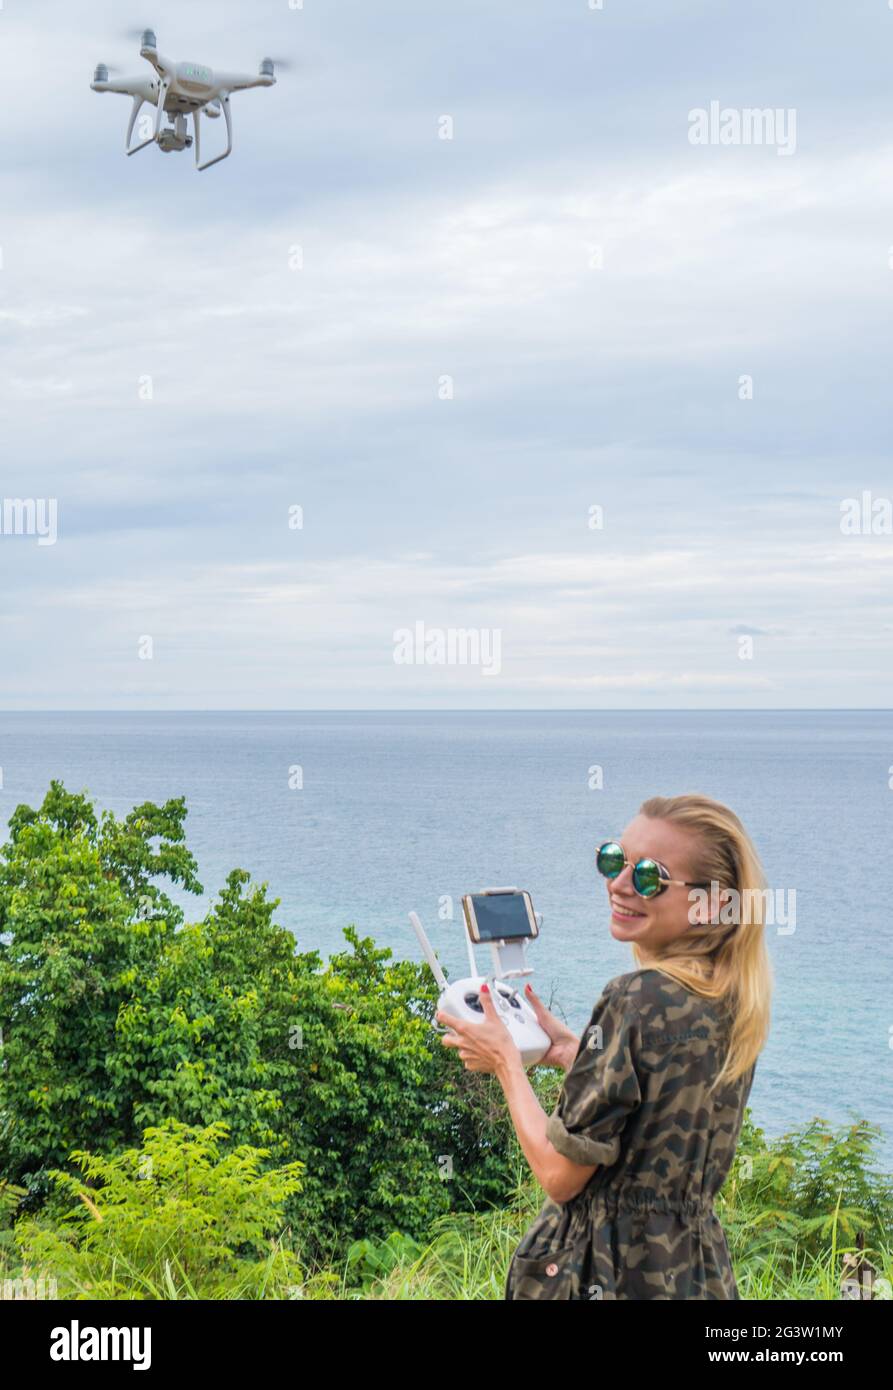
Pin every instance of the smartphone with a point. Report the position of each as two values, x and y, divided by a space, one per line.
500 914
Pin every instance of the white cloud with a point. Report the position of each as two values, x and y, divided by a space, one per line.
572 385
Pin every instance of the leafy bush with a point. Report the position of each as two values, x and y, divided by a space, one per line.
811 1190
175 1218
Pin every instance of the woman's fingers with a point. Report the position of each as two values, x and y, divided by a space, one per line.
547 1020
539 1008
450 1020
537 1004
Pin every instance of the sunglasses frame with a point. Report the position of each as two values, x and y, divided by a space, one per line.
663 872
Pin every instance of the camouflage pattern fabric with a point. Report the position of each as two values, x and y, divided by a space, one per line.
635 1102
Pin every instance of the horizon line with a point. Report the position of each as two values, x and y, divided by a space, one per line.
478 709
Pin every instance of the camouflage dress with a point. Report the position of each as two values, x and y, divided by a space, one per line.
635 1102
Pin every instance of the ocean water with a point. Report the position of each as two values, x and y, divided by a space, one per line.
402 810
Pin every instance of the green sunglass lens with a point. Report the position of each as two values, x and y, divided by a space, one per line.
610 860
646 878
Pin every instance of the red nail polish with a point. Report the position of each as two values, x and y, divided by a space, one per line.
485 989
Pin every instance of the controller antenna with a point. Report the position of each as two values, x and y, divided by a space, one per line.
430 957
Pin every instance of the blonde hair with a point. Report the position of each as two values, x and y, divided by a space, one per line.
727 962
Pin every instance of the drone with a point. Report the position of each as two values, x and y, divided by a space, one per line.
178 91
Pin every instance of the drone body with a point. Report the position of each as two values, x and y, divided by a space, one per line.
180 90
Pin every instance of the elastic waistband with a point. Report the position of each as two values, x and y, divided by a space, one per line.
643 1200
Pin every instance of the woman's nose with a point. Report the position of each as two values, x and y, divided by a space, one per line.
624 879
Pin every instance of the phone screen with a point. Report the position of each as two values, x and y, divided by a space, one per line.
502 915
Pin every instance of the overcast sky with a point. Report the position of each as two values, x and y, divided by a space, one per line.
490 335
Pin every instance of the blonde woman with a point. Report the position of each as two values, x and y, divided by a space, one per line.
645 1128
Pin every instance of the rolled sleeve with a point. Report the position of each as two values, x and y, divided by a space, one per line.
601 1089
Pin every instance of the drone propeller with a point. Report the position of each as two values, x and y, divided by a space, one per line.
134 34
103 71
280 64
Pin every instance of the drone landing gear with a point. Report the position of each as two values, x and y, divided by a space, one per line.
138 103
227 115
156 136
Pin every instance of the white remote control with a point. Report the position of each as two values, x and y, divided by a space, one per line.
462 1000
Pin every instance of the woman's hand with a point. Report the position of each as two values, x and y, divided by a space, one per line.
565 1044
487 1046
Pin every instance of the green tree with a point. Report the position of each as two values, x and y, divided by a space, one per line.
192 1043
81 922
364 1098
331 1066
117 1017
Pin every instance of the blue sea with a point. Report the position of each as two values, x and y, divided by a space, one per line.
398 810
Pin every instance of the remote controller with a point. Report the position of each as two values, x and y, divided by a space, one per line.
461 998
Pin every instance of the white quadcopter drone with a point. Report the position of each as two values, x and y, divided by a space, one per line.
178 91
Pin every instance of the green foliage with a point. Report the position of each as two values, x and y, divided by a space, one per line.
192 1043
116 1018
377 1097
81 922
10 1200
794 1191
788 1244
176 1218
369 1261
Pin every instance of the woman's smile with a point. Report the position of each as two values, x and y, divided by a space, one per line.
624 914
